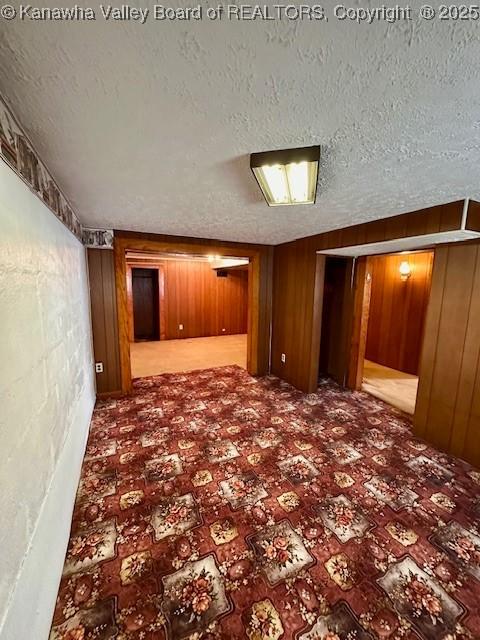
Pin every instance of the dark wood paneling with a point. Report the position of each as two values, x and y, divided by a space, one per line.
205 304
448 409
473 216
104 319
397 310
297 282
297 308
336 318
445 217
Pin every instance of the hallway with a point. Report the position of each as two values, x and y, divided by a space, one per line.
216 503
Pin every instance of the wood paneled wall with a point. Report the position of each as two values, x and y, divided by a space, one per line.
397 310
101 270
441 218
448 402
298 284
205 304
297 310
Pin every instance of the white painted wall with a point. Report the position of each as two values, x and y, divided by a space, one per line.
46 400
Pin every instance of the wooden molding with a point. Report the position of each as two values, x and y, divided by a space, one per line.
109 394
361 306
259 290
160 269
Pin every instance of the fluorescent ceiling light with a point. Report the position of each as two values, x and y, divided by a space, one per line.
287 177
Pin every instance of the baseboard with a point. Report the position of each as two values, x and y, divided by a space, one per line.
110 394
31 606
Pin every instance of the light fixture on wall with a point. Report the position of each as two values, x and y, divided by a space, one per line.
288 176
405 270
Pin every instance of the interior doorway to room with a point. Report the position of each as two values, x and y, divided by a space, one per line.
145 296
385 329
185 312
336 314
399 294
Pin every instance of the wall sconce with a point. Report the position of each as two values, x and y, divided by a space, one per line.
288 176
405 270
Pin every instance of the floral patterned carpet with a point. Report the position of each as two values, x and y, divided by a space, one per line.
216 505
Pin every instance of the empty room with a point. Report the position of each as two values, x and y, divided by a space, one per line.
185 312
240 322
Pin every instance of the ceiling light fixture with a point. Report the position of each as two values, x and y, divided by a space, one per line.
288 176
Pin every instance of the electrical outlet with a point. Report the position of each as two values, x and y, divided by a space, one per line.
99 367
180 327
283 358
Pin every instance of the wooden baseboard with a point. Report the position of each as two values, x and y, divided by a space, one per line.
110 394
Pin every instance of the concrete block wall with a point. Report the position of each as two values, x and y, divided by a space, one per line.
47 396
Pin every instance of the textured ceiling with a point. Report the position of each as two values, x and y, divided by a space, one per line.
148 127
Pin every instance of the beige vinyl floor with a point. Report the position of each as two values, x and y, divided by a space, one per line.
395 387
173 356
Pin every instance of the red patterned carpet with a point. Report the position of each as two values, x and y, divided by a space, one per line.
214 505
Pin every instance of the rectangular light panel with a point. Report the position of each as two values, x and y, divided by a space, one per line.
287 177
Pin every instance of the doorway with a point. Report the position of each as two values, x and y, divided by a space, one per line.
373 318
336 313
186 312
398 300
145 299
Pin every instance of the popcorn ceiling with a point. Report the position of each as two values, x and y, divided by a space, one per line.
149 127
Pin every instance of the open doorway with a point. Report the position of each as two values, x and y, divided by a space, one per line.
398 299
336 318
373 317
146 321
186 311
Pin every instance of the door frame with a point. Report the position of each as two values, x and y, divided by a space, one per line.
159 268
260 271
362 285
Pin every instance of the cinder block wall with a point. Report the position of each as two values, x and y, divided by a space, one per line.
46 398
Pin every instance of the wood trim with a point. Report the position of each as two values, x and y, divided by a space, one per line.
316 328
129 285
160 269
109 394
361 306
123 315
259 293
161 300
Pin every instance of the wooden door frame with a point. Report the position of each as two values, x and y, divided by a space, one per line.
362 285
259 289
160 269
361 309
